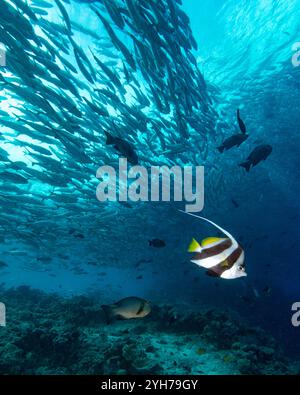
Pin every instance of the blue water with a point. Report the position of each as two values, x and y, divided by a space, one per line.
245 57
246 52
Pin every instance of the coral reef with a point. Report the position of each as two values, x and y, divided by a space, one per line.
47 334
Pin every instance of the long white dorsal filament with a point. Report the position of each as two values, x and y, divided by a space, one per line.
211 222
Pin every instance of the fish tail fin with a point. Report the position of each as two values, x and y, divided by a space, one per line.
109 139
212 223
108 311
221 149
194 246
246 165
241 123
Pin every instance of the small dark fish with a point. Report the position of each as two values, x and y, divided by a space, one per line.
141 261
79 235
157 243
63 256
259 154
123 147
246 299
126 204
44 259
3 264
235 203
76 234
230 142
267 290
236 139
139 277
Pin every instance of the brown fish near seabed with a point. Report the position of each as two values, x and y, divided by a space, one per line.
127 308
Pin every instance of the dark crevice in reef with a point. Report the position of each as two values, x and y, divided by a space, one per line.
47 334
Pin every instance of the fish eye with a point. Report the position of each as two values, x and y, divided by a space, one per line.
241 267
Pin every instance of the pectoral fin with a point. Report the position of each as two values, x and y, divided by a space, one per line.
141 308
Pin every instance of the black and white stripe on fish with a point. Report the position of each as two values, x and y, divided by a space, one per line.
223 257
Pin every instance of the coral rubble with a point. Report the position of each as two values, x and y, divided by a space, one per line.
47 334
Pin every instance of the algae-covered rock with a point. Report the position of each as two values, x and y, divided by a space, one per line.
138 360
47 334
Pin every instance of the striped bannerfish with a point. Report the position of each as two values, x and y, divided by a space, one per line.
223 257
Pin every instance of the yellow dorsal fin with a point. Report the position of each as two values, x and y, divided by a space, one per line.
194 246
210 240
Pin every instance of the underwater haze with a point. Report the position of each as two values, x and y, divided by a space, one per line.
91 287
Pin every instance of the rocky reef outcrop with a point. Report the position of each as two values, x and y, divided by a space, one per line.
47 334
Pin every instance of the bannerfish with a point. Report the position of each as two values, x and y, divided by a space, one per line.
123 147
127 308
237 139
157 243
259 154
223 257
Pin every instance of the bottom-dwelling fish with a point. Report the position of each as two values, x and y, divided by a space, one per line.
223 257
127 308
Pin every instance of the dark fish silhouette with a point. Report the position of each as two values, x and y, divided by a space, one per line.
235 203
3 264
267 290
241 123
259 154
123 147
237 139
157 243
233 141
